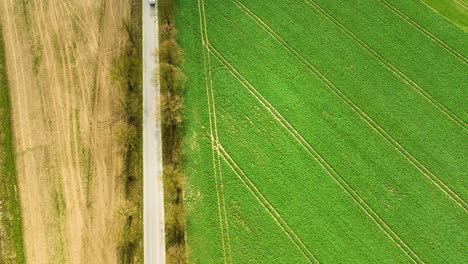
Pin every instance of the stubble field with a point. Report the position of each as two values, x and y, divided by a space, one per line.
313 134
66 114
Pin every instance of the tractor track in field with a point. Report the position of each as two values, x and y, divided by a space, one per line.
461 4
318 158
59 133
214 137
424 31
283 224
395 144
455 118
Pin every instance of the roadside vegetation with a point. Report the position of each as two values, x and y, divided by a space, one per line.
172 81
11 239
127 71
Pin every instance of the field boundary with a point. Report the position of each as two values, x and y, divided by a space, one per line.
424 31
270 208
397 146
11 226
214 138
322 162
388 64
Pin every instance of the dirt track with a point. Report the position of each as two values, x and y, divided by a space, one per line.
65 112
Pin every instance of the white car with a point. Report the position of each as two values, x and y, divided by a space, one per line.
152 2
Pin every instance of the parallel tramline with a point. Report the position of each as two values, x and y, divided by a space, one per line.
317 157
212 118
264 103
217 146
358 190
425 32
368 210
267 205
395 144
389 65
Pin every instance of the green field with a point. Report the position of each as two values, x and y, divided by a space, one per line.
453 10
11 239
320 131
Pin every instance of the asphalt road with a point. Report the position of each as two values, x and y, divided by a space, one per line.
153 205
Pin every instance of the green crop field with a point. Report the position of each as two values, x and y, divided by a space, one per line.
320 131
454 10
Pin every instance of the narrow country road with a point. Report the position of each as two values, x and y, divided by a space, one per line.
153 205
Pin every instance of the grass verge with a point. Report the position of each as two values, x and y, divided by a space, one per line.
172 80
11 239
127 71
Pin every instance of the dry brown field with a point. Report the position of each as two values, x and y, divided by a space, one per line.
66 115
